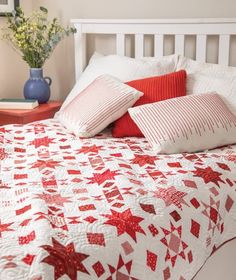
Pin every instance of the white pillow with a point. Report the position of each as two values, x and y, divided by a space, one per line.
186 124
226 88
208 69
122 67
207 77
105 100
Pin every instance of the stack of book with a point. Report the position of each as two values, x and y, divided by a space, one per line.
18 103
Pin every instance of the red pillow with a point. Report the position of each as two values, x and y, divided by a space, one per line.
155 89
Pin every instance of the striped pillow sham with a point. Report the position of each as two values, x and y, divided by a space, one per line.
186 124
101 103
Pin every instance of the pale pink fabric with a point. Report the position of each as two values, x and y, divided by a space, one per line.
186 124
102 102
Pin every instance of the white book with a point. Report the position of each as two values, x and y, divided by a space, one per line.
18 103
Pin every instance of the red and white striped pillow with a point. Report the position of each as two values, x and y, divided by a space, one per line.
101 103
186 124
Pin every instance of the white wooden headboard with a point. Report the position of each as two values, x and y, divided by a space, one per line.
201 28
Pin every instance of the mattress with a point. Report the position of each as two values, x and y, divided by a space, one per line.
107 208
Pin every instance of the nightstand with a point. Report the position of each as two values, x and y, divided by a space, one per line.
43 111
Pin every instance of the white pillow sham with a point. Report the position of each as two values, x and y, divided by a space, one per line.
102 102
186 124
122 67
209 69
207 77
226 88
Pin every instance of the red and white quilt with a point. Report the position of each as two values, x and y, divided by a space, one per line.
106 208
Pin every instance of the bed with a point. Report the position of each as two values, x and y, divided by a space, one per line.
111 208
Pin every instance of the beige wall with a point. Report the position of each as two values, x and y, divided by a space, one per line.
140 8
13 72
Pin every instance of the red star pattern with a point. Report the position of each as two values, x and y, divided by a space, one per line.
171 196
173 241
100 178
41 164
64 259
125 222
212 211
90 149
44 141
106 203
208 175
142 160
55 199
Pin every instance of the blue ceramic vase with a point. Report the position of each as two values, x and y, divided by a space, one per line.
37 87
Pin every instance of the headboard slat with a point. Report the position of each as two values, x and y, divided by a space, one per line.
201 45
139 45
158 45
179 44
224 44
120 44
80 50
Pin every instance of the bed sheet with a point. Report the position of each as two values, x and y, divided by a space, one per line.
106 208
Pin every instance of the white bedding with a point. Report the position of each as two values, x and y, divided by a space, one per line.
105 208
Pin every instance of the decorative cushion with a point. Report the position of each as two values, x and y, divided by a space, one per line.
122 67
102 102
154 89
208 77
186 124
208 69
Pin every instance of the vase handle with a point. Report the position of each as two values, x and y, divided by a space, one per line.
48 80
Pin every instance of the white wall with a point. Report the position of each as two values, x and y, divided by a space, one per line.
60 67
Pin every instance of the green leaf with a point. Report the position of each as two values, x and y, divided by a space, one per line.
43 9
34 36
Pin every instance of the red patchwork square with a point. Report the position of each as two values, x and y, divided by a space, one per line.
96 238
99 269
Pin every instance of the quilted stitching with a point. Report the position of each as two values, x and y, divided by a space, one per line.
106 208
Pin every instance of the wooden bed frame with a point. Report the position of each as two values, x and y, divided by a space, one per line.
222 264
